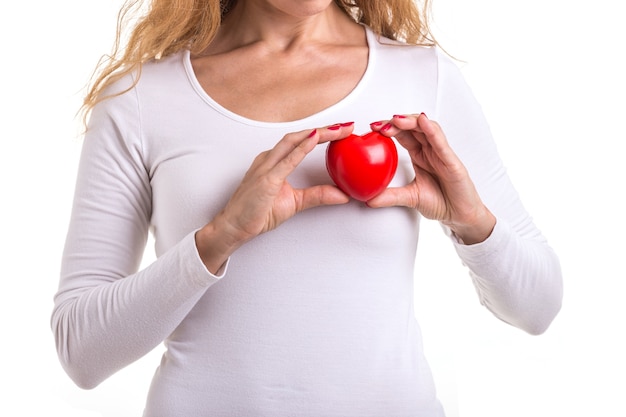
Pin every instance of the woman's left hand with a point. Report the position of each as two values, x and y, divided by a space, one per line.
442 189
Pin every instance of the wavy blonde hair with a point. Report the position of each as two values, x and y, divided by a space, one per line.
158 28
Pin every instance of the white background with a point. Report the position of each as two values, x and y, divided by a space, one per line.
550 76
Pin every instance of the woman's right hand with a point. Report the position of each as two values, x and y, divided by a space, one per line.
265 199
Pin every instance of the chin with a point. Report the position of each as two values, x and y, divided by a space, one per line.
302 8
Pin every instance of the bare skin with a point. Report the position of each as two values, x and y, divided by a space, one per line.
264 199
277 61
442 189
283 60
268 65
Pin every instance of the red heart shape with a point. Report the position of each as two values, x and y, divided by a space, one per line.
362 166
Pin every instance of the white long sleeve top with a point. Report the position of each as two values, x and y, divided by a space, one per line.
314 318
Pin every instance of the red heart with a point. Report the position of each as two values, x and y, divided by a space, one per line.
362 166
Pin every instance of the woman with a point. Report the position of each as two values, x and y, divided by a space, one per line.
275 293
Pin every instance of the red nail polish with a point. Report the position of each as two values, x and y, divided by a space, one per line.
424 114
334 127
312 133
385 127
347 124
399 116
376 123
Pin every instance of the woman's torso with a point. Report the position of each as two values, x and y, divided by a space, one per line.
315 318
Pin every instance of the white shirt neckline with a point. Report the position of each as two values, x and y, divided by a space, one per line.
371 59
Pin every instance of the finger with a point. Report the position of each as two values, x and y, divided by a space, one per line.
396 124
417 127
409 137
283 166
403 127
413 141
433 133
320 195
335 132
290 142
430 133
290 160
440 147
376 126
400 122
320 135
395 196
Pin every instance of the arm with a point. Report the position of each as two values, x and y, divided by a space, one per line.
106 313
516 273
460 181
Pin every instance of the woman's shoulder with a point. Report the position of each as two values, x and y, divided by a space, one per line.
151 71
149 80
397 52
165 66
385 45
428 62
396 56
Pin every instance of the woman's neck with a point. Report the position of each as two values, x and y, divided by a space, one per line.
257 22
269 65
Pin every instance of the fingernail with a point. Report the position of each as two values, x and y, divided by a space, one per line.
376 123
334 127
312 133
424 114
399 116
385 127
347 124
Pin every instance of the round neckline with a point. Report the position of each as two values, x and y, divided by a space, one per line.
370 39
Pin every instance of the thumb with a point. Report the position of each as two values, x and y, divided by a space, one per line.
321 195
394 196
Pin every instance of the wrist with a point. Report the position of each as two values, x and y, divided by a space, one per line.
214 248
476 231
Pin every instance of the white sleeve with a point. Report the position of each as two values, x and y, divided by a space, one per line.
107 314
516 273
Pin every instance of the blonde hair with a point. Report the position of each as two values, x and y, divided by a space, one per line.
159 28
